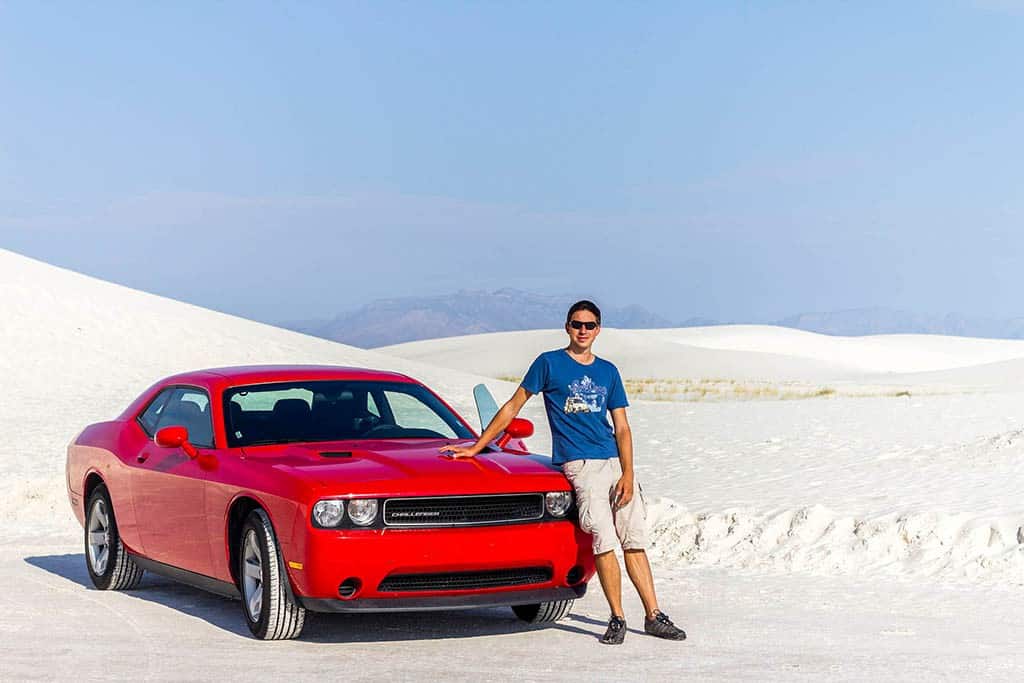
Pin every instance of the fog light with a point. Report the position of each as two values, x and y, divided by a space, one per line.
574 576
349 587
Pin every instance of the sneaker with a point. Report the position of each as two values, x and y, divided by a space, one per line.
662 627
616 632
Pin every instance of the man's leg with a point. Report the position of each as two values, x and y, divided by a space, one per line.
631 528
610 575
639 570
593 482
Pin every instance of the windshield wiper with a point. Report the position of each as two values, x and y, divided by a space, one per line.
271 442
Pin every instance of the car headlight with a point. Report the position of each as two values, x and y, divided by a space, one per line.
329 513
557 503
362 511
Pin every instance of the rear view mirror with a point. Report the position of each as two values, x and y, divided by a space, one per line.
517 429
175 437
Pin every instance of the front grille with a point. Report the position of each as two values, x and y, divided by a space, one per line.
453 581
463 510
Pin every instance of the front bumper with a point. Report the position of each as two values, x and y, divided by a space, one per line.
443 602
320 560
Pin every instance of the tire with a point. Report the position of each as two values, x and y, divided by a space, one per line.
544 612
110 566
267 604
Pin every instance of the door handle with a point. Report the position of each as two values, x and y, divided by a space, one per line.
142 457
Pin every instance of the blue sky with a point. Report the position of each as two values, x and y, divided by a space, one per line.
731 161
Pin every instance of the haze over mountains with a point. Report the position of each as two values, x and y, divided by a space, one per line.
394 321
405 319
867 321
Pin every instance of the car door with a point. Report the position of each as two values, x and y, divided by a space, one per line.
168 487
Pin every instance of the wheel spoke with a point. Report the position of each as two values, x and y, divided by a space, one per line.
256 604
97 538
253 571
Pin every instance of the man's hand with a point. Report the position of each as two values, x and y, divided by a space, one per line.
623 491
498 423
459 451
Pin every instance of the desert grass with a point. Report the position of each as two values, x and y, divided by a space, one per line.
721 389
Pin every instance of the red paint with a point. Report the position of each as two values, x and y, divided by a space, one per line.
519 428
176 437
173 505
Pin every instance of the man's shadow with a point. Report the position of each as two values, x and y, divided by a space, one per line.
226 613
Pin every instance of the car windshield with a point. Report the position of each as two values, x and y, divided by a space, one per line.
336 410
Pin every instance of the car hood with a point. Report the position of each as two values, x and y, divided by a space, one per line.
408 467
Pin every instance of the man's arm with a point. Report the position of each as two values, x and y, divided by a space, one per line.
498 423
624 440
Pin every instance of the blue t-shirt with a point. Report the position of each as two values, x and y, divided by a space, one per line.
577 399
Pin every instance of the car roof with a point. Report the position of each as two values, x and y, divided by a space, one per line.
260 374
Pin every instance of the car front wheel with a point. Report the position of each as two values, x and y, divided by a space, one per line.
110 565
269 609
544 612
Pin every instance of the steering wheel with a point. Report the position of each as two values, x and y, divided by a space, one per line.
380 427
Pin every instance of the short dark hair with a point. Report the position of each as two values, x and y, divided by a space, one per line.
583 306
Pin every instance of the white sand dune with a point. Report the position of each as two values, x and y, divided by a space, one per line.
739 352
921 489
879 354
77 350
638 354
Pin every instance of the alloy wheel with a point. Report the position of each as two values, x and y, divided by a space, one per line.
99 537
252 578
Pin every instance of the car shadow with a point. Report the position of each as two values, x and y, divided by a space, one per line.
226 613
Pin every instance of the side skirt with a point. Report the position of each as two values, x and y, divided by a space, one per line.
223 588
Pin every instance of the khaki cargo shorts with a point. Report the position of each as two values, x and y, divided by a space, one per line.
594 482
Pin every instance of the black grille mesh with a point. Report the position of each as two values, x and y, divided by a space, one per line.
463 510
495 578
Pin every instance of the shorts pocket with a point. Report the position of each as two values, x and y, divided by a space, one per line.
573 468
586 523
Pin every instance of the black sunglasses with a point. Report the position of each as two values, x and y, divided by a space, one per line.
579 325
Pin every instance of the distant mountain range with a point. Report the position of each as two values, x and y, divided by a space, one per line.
398 320
393 321
864 321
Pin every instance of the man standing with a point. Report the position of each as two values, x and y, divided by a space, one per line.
579 390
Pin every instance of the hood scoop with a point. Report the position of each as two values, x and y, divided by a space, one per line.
336 454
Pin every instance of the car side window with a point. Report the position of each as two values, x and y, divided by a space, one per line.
411 413
151 416
189 408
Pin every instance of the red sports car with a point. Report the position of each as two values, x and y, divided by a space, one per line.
322 488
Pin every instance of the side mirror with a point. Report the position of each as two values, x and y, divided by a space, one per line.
517 429
174 437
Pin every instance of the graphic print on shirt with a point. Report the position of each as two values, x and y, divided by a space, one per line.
585 396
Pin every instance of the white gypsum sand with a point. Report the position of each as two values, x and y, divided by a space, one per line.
77 350
911 463
837 536
736 353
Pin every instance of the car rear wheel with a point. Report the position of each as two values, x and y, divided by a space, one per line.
269 608
110 565
544 612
